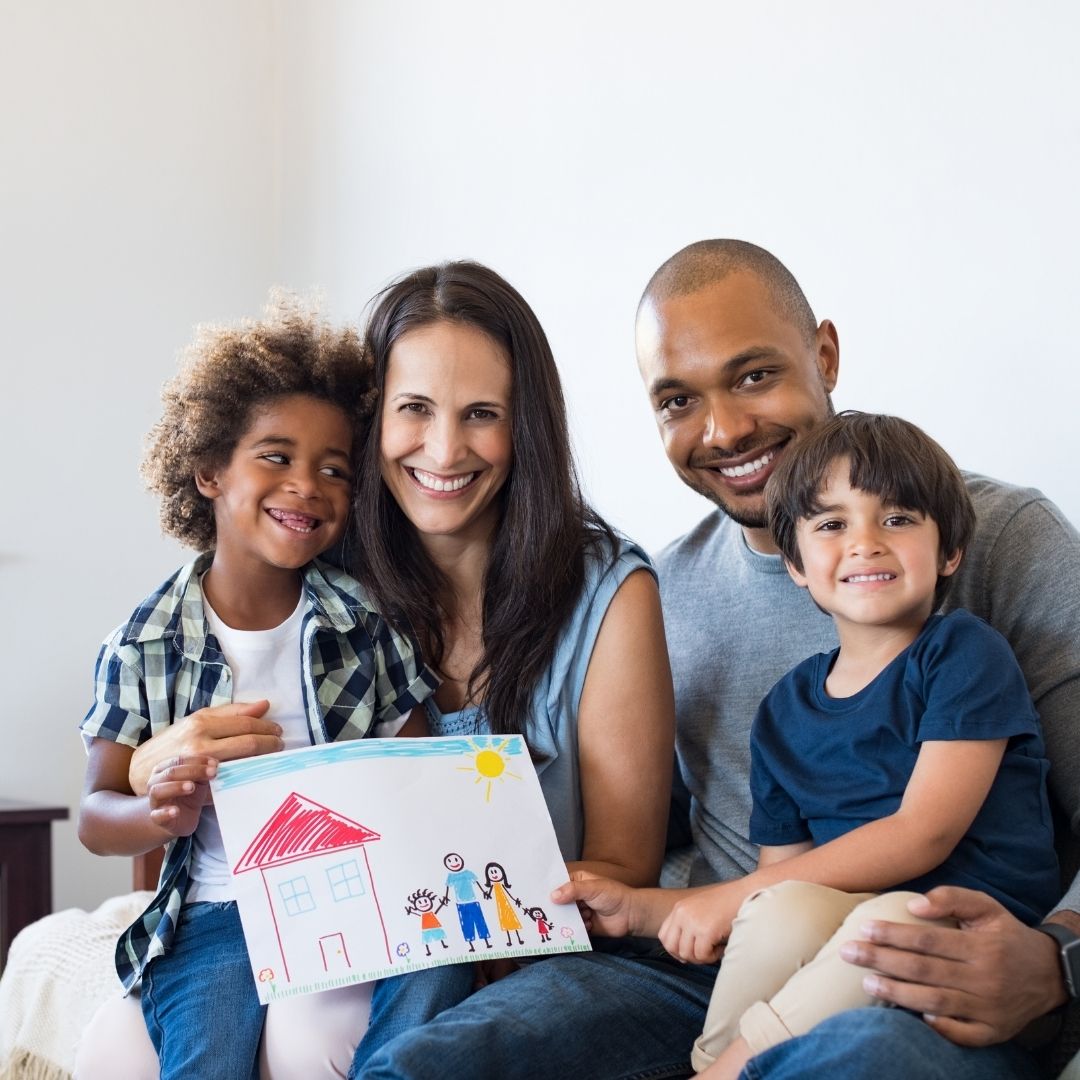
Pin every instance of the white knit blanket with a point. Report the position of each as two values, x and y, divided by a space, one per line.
59 971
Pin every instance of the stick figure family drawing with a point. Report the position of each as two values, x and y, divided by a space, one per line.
465 885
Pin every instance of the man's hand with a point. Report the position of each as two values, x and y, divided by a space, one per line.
699 924
976 985
224 733
177 793
607 907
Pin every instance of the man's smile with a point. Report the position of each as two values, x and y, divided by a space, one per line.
750 467
748 471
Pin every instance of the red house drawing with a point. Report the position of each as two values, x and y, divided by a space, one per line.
309 858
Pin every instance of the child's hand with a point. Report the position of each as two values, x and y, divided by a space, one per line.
607 907
224 732
698 924
178 789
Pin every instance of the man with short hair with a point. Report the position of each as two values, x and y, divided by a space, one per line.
737 368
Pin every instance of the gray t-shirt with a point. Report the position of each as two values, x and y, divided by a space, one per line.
735 623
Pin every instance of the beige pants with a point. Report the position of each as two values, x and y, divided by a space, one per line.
782 972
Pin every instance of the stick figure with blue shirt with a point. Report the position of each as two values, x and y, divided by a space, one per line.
464 883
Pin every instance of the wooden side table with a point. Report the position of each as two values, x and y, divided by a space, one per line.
25 866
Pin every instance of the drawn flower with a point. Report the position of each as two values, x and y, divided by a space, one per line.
266 975
567 932
403 949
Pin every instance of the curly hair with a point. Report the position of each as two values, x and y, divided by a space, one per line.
226 375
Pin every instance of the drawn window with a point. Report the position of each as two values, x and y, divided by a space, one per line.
345 880
296 896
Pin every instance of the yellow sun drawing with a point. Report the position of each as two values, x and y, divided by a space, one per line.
489 763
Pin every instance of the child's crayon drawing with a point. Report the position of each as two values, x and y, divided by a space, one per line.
359 860
423 903
543 926
499 887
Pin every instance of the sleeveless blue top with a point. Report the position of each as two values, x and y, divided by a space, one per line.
551 727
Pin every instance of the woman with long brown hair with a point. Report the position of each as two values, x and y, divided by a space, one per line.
471 531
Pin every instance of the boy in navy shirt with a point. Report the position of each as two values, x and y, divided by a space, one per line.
910 757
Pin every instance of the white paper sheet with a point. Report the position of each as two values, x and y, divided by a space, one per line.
374 857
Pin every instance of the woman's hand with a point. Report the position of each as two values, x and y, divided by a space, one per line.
224 733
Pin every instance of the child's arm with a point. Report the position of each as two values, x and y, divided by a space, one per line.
780 852
114 821
947 788
612 908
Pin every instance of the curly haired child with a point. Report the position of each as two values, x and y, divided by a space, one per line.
253 459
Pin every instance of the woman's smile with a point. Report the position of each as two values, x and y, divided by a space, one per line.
446 486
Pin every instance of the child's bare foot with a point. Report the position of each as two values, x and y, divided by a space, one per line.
730 1063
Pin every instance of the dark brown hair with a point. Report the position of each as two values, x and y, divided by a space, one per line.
536 568
228 374
889 458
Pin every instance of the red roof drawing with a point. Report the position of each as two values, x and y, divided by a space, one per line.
299 829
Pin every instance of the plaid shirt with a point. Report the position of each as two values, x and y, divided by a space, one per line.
164 664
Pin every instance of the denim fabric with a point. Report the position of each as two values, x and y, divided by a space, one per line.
406 1001
886 1044
199 1000
599 1015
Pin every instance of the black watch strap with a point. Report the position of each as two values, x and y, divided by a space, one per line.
1069 953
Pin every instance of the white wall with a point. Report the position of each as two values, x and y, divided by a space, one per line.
138 177
916 168
164 163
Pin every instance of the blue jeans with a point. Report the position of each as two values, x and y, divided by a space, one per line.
887 1044
617 1017
199 1000
599 1014
405 1002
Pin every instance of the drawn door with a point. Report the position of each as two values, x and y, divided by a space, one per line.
335 956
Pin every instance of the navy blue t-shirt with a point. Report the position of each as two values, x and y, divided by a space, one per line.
822 766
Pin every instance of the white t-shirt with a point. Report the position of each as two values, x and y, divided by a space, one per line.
264 664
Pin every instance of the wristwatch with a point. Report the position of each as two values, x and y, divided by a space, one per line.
1069 952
